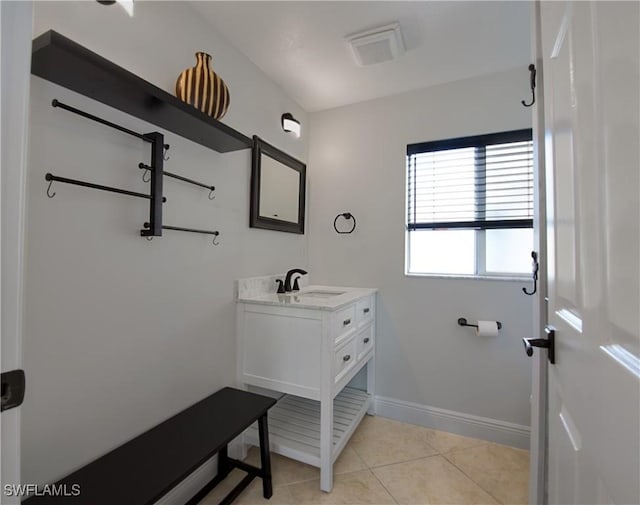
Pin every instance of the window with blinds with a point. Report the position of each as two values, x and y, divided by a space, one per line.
471 185
483 182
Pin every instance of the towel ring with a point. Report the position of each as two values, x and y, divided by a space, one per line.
346 215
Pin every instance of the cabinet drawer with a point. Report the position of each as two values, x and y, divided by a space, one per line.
364 310
344 321
364 342
344 359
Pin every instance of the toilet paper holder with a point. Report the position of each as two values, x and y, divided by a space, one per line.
462 321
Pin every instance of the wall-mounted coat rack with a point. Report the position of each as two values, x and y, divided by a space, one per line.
153 227
148 169
215 233
54 178
157 157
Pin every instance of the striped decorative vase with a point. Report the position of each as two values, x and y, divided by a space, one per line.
202 87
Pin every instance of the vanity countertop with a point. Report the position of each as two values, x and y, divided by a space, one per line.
310 297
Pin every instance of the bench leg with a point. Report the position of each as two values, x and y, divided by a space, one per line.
223 463
265 457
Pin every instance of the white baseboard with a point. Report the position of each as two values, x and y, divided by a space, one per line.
493 430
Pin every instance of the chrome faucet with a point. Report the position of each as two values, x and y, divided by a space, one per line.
289 276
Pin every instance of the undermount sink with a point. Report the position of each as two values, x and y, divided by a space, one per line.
321 294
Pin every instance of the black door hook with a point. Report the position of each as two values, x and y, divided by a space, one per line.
49 194
532 80
534 274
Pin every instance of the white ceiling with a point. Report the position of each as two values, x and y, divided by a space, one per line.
301 44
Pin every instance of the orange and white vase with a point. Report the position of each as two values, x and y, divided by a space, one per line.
203 88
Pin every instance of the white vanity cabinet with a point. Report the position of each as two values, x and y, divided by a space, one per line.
309 345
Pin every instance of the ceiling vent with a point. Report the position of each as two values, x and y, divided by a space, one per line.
377 45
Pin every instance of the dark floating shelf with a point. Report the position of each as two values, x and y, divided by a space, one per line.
64 62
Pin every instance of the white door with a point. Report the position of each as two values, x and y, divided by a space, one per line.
591 56
16 22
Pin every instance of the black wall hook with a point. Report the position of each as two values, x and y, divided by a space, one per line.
146 175
346 215
532 81
534 274
50 195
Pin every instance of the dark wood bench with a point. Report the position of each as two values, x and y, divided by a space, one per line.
143 470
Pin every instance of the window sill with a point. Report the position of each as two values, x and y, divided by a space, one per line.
513 278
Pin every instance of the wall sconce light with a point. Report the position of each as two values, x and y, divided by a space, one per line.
290 124
127 5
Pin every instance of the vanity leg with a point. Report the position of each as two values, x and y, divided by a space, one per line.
371 386
326 445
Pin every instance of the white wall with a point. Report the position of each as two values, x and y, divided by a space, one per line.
121 333
357 164
15 42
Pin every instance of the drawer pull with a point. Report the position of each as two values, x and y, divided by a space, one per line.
346 357
366 340
366 311
346 322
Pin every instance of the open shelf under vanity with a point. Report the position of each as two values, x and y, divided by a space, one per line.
294 425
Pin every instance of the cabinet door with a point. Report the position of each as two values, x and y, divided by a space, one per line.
281 352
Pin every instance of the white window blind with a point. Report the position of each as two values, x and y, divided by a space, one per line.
483 182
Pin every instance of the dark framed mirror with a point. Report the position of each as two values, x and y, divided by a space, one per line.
278 184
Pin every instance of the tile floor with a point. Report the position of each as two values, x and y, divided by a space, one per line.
388 462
